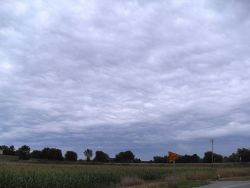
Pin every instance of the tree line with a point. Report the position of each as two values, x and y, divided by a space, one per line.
242 155
54 154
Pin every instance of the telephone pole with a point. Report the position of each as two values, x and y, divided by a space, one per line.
212 159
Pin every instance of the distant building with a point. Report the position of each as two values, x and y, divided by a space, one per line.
1 152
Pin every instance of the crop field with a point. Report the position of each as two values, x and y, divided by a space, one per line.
17 174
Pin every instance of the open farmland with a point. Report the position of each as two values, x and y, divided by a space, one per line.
15 174
65 175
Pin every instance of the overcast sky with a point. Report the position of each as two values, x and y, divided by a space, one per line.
112 75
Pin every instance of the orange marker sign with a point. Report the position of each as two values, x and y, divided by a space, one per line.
172 157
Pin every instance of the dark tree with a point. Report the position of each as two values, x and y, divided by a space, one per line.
137 160
8 150
24 152
234 157
52 154
189 159
4 148
195 158
218 158
125 157
159 159
208 157
88 153
36 154
12 150
100 156
71 156
244 154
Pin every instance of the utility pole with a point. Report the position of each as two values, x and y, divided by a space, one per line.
212 160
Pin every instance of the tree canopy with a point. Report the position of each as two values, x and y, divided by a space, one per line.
71 156
100 156
217 158
24 152
125 157
88 153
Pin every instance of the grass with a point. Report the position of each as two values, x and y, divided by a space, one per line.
8 158
19 174
233 172
65 175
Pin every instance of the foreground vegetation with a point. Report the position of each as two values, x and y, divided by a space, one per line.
65 175
19 174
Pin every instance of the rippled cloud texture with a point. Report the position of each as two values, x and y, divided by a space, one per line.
149 76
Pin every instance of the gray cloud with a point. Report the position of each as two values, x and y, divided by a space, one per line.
141 75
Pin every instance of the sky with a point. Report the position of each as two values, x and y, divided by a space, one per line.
113 75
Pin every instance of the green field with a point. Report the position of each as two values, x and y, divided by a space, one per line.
8 158
19 174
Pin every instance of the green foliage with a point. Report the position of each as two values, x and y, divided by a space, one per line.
159 159
36 154
125 157
234 157
52 154
208 157
244 154
75 175
100 156
8 150
23 152
71 156
137 160
189 159
88 153
17 175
